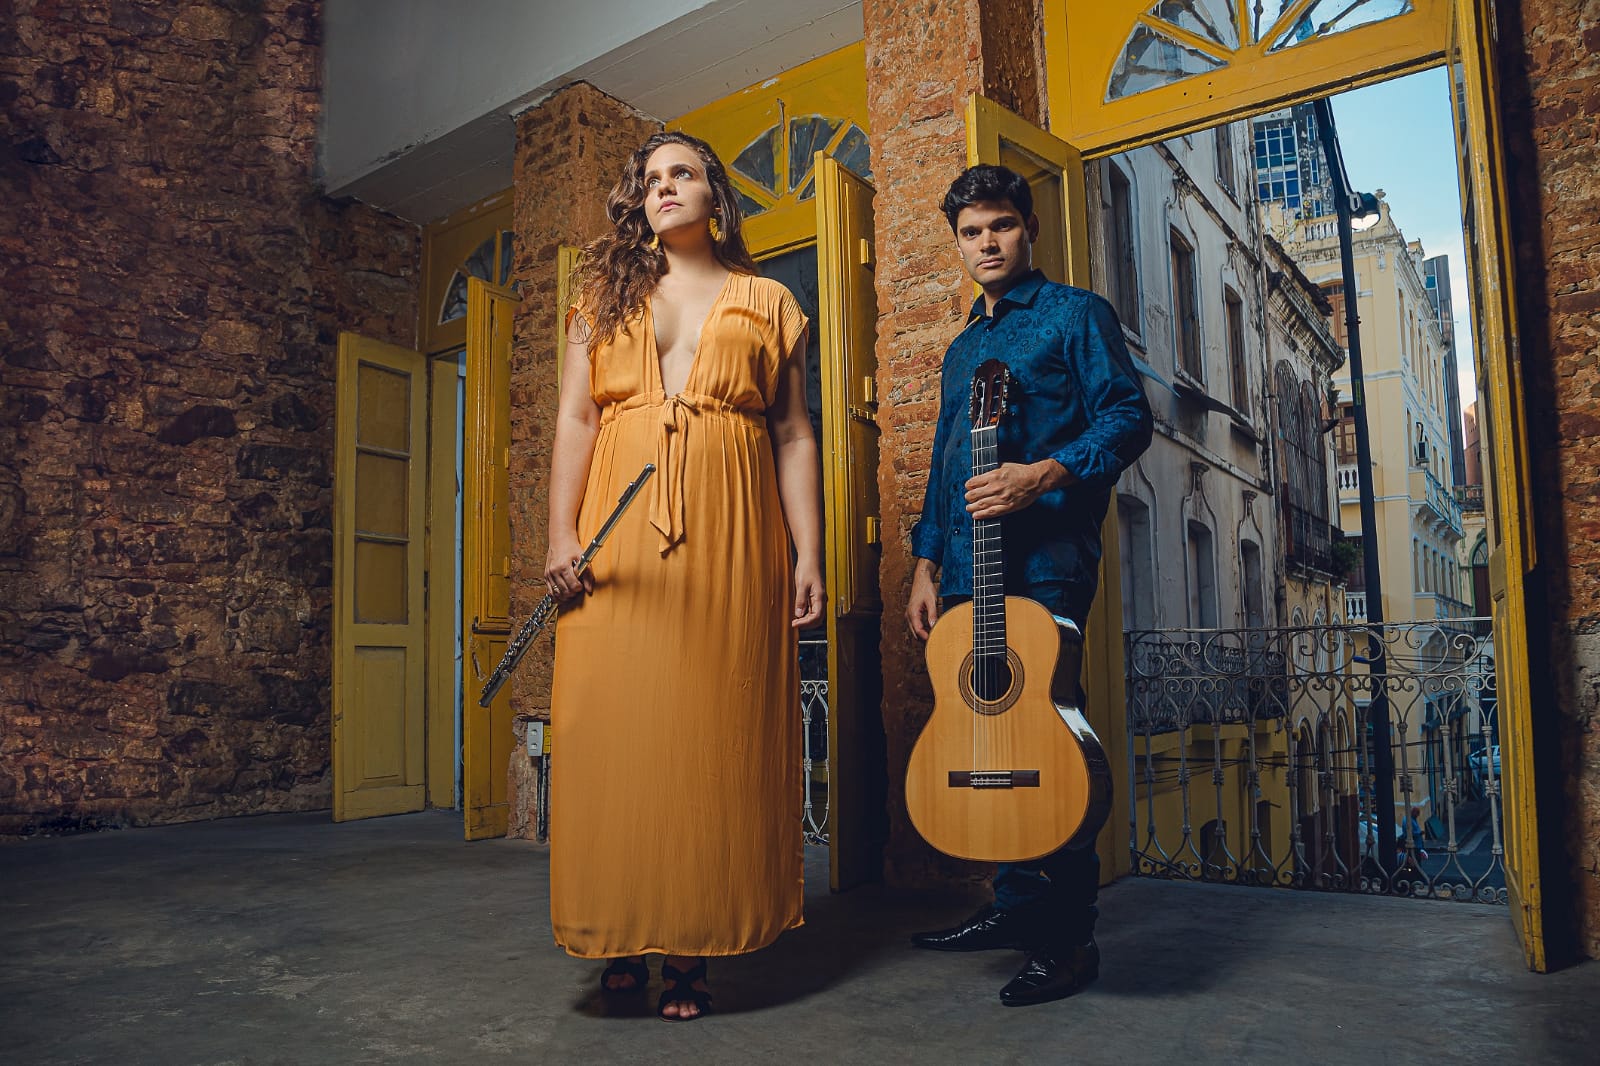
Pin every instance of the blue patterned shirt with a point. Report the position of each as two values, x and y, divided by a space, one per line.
1075 398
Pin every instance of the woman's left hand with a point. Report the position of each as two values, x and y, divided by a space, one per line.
809 595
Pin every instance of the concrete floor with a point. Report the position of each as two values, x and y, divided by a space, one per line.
288 939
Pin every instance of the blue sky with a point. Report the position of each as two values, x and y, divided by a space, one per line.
1397 137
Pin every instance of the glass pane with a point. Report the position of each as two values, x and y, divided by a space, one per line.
807 136
455 299
808 192
759 161
854 154
505 258
1263 13
383 408
1150 60
380 582
481 263
750 207
380 495
1217 20
1327 17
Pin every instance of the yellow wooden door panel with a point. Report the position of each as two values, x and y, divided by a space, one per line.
1491 267
1128 72
1054 170
846 326
486 557
380 469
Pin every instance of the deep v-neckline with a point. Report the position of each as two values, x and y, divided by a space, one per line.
699 338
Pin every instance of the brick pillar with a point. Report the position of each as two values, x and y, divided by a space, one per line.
1550 71
923 60
570 151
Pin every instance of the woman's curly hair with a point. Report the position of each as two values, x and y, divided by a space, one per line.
620 270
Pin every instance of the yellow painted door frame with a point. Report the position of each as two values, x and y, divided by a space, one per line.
1486 227
1054 170
444 438
379 632
486 735
846 326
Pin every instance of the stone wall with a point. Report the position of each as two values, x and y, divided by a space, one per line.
170 290
584 137
1550 69
923 60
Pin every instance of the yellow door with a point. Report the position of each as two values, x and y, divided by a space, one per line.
378 535
847 315
1505 450
486 738
1054 170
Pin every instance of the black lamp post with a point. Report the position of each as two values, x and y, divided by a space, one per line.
1347 205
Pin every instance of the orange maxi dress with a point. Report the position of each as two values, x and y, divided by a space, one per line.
675 808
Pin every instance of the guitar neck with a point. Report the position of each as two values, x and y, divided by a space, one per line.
988 563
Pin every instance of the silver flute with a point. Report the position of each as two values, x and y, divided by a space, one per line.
547 607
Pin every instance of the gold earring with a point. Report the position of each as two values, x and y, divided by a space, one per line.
654 242
715 228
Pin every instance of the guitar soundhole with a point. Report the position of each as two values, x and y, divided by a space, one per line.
993 686
991 680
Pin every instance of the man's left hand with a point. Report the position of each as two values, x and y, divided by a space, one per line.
1013 486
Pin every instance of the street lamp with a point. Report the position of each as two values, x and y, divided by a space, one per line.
1349 205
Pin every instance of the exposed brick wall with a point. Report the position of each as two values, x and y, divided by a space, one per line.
1550 64
585 137
923 60
170 288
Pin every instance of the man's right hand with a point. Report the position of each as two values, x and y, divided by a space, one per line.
923 609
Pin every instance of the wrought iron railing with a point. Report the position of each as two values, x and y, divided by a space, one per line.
1308 539
1250 759
814 738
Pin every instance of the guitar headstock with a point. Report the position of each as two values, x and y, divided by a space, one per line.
991 385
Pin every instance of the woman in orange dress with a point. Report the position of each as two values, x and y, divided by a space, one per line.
675 807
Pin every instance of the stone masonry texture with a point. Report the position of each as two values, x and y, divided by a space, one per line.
1550 74
923 60
585 137
171 287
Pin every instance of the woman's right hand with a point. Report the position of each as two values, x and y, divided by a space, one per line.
560 576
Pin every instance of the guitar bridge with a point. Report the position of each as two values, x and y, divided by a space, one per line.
994 779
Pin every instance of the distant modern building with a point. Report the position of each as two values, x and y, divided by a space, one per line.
1291 172
1436 279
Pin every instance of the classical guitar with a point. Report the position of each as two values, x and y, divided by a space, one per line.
1006 768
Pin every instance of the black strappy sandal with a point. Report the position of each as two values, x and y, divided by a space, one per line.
625 967
680 989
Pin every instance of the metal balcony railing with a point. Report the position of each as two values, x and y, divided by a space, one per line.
1250 759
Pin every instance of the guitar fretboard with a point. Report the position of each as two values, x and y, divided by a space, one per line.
988 566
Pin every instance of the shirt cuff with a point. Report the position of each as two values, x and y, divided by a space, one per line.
927 541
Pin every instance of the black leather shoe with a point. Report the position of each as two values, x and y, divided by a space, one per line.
1052 974
986 930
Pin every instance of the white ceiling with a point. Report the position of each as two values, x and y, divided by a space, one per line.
419 95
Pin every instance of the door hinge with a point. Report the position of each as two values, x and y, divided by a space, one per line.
864 254
874 529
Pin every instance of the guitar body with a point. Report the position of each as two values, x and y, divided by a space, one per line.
1007 768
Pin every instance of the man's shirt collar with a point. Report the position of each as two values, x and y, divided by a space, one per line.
1021 295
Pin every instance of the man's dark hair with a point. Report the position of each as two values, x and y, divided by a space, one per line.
986 182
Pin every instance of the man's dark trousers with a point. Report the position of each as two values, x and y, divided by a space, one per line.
1053 897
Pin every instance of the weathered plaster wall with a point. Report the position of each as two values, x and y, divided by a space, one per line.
1550 70
570 151
170 290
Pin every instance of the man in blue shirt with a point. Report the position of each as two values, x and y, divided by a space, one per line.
1077 418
